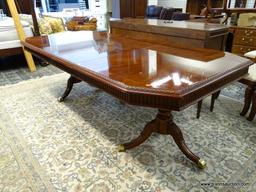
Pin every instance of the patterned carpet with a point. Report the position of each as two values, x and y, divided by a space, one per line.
14 70
50 146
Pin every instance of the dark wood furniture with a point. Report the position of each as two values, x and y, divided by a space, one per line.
250 93
195 6
244 39
28 7
178 33
240 7
185 34
128 8
142 73
11 52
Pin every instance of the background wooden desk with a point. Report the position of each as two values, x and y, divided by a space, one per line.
177 33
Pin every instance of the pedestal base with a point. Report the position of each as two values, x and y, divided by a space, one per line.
163 124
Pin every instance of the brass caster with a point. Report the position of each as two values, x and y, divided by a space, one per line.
121 148
201 164
60 99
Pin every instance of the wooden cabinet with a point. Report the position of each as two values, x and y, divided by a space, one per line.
244 40
128 8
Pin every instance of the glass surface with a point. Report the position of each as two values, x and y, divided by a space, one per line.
59 5
241 4
2 15
137 63
250 3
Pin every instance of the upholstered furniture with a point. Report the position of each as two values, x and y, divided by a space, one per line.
57 25
82 23
167 13
159 12
153 11
250 92
9 43
9 40
178 16
21 34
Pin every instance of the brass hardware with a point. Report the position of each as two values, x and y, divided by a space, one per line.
243 39
60 99
121 148
241 49
251 40
201 164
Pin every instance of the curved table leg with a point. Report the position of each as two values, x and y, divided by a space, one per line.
247 100
179 140
144 135
163 124
253 108
70 84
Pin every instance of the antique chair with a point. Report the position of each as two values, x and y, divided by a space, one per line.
159 12
250 92
178 16
167 13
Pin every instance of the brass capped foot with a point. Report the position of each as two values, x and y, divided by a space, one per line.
201 164
121 148
60 99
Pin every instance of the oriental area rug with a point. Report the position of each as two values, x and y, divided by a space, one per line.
72 146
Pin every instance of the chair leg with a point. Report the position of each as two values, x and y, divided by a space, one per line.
247 100
214 97
199 106
253 108
218 94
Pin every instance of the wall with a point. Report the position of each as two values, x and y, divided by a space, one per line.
153 2
174 3
109 5
98 6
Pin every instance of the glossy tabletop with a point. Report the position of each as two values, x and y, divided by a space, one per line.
136 65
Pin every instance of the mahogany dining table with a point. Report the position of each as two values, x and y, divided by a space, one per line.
141 73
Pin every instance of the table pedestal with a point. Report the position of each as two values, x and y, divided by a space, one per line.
163 124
